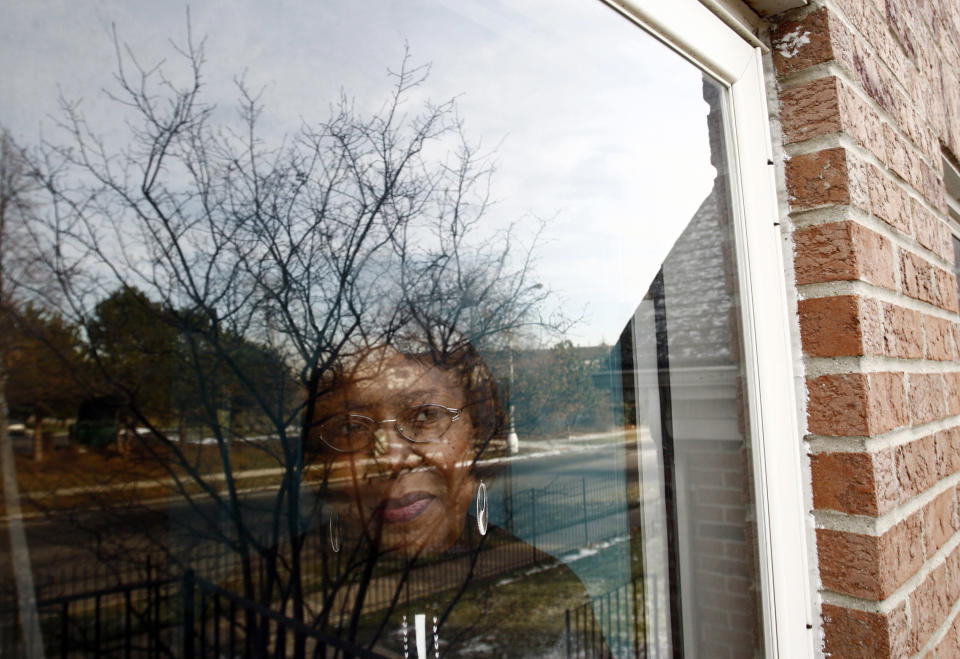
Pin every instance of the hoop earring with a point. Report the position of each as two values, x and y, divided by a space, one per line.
335 529
482 508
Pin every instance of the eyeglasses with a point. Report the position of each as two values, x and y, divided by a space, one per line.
420 424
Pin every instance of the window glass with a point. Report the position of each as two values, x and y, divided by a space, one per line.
404 328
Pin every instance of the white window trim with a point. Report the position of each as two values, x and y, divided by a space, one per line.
951 181
789 620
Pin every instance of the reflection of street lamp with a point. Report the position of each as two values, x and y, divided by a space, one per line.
513 442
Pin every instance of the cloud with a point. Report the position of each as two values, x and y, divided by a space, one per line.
598 124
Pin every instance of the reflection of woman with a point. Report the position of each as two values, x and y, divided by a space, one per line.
400 435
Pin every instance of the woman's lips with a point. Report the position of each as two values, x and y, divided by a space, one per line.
405 508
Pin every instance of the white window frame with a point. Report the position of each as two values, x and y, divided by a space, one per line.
951 183
789 621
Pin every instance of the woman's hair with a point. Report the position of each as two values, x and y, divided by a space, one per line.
481 399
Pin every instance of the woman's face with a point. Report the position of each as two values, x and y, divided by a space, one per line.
411 496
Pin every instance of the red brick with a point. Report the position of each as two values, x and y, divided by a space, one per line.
938 521
931 232
858 173
818 179
855 483
949 647
929 183
953 574
902 552
855 404
885 474
916 277
919 101
927 400
946 243
899 626
898 154
909 29
888 201
912 122
888 404
916 466
854 10
938 336
874 80
850 563
929 605
800 44
810 110
838 405
945 290
859 120
874 257
899 20
839 325
952 384
948 452
843 251
868 566
923 135
902 332
856 634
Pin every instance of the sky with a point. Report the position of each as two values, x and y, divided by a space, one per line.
597 128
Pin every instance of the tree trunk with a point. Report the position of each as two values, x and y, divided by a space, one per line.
38 439
120 434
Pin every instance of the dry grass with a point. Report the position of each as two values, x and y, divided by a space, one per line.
69 478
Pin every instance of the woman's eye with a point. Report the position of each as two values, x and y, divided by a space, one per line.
423 415
344 429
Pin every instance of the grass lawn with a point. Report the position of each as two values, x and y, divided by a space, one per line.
516 614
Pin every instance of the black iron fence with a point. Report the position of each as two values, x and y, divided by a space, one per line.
135 619
145 609
218 623
612 624
569 513
185 617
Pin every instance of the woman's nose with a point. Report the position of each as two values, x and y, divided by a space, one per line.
390 446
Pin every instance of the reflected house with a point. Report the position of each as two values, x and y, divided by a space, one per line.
676 375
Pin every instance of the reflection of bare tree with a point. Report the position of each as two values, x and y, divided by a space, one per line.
258 268
15 272
18 256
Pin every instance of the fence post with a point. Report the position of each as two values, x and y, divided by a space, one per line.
566 617
65 629
533 531
586 531
189 584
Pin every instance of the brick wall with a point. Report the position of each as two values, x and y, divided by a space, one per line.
870 99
